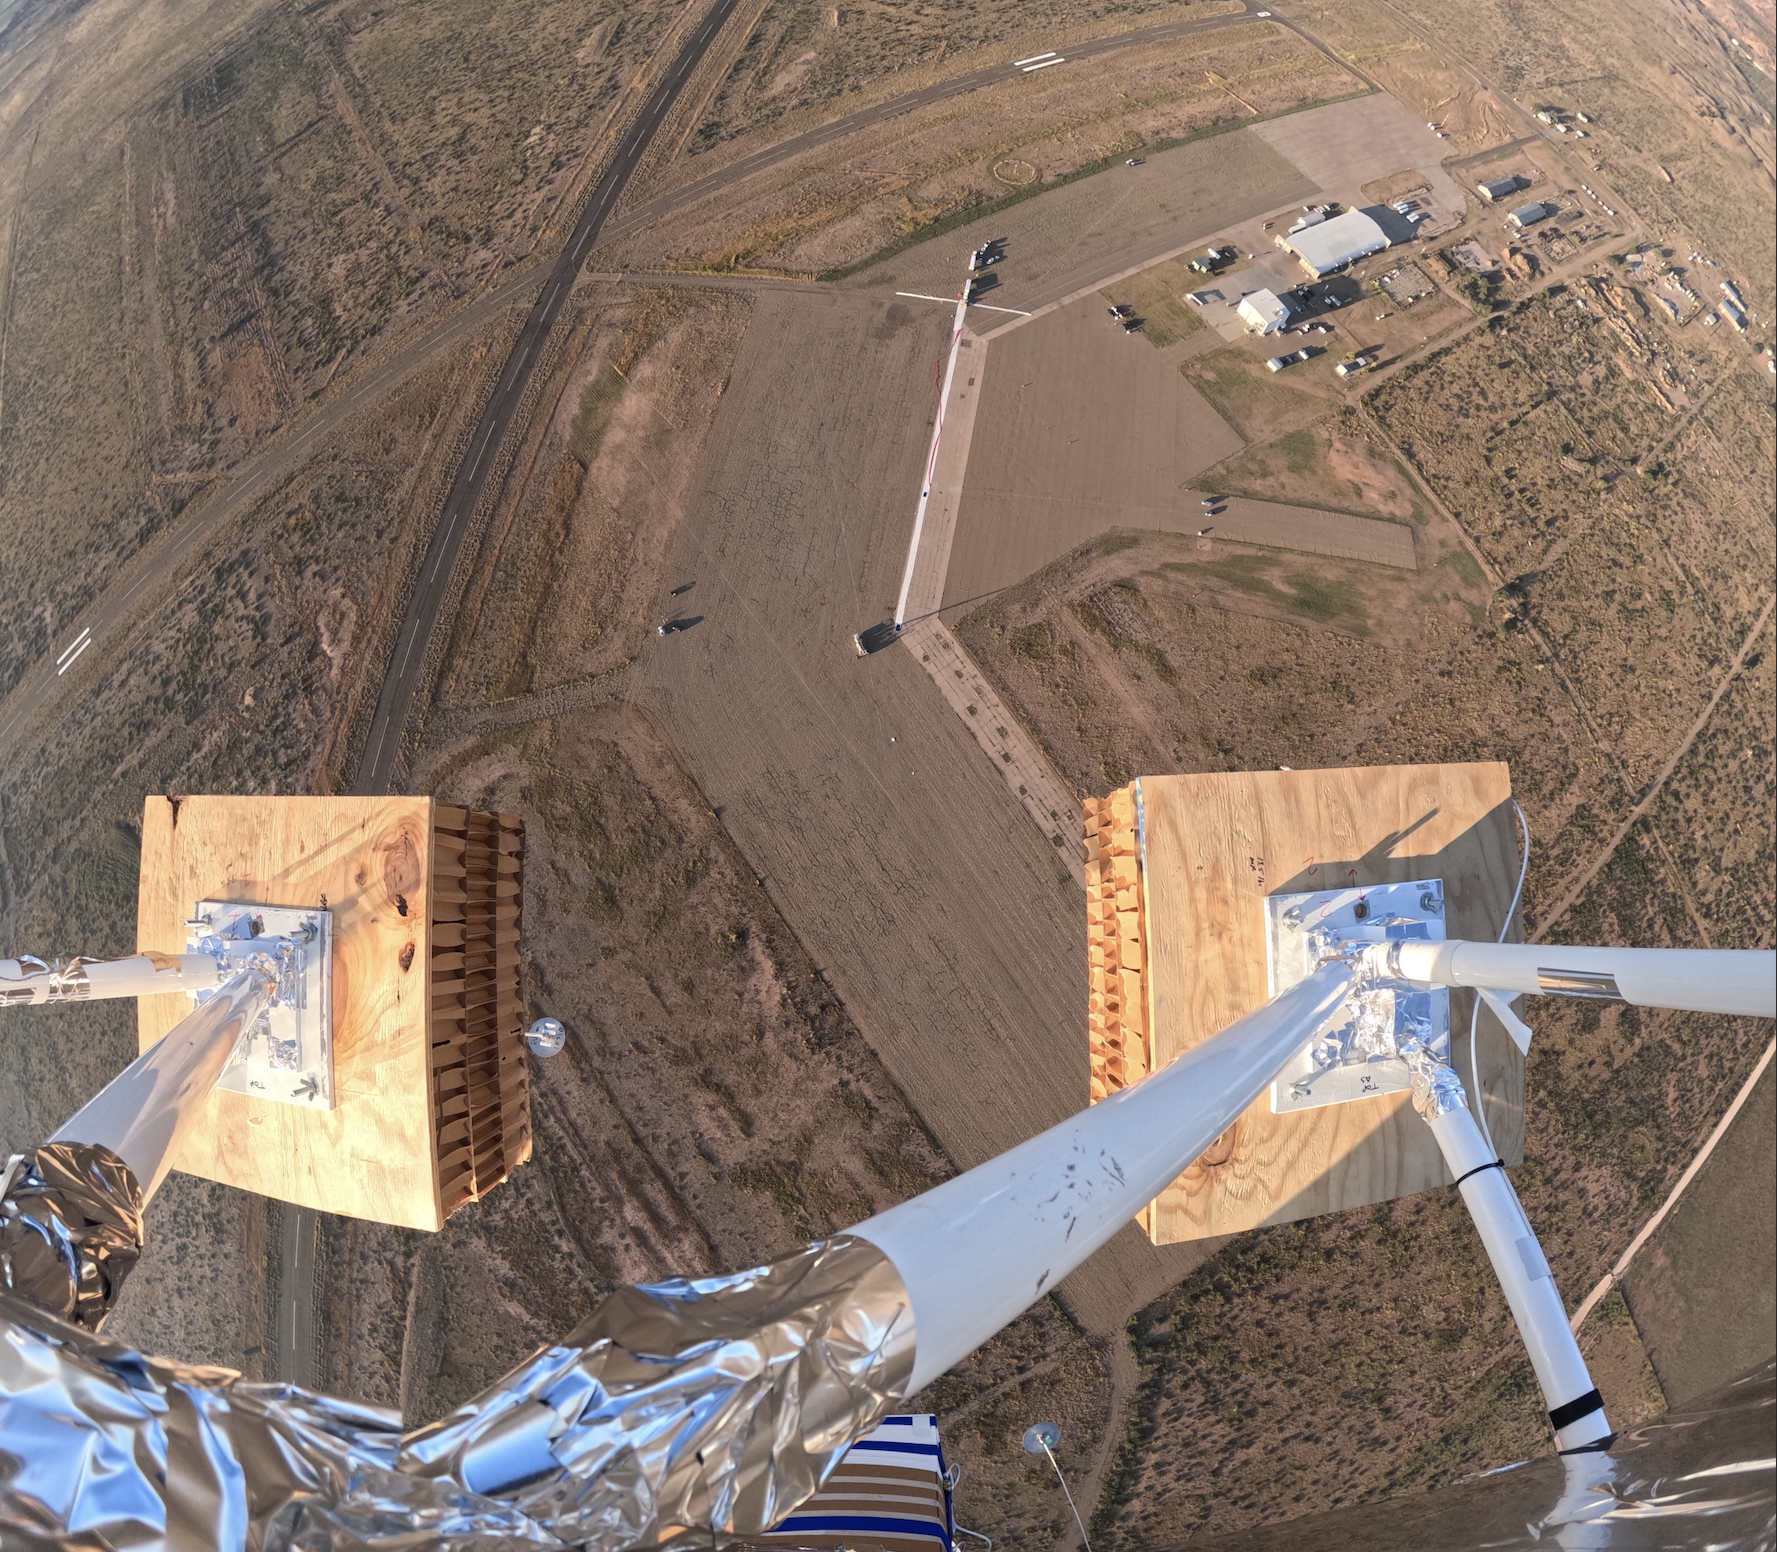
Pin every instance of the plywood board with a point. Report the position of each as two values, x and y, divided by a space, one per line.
1211 848
368 860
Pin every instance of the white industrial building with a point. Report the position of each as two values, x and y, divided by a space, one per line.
1335 243
1263 312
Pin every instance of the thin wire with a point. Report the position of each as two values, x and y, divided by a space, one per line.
1070 1497
952 1480
1474 1022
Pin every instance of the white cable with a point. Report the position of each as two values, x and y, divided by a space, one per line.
1070 1497
1474 1022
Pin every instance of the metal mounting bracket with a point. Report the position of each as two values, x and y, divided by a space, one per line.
286 1056
1353 1056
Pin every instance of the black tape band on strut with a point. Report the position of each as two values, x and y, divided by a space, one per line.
1572 1411
1496 1164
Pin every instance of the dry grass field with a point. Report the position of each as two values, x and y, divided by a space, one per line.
798 63
1157 298
573 580
1328 463
923 172
1413 68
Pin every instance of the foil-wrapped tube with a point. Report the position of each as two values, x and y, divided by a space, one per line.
682 1409
679 1415
70 1229
1437 1090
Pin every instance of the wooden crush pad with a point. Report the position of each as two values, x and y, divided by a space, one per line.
1177 871
430 1067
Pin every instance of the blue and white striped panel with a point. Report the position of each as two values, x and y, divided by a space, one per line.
889 1493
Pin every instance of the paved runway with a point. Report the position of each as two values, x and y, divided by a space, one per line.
935 906
1081 428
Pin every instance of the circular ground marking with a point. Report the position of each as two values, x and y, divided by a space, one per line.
1011 170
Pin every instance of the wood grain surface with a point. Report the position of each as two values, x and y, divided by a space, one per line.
367 860
1213 848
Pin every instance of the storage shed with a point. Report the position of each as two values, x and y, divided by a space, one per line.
1263 312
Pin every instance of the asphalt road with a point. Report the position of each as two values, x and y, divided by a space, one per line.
296 1319
117 608
407 665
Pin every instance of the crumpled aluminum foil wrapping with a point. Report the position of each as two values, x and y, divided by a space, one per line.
679 1415
681 1408
70 1229
1437 1090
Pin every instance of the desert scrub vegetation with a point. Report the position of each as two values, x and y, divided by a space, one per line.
263 210
570 586
917 176
805 53
1533 431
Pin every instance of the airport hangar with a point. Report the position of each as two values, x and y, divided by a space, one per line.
1331 245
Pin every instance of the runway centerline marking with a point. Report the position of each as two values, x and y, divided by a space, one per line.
925 491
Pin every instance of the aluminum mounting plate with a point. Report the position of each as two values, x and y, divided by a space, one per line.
287 1055
1352 1056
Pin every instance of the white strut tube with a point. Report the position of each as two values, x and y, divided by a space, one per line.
1701 980
29 981
977 1251
143 1114
1576 1411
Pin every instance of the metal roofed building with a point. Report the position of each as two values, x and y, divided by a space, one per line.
1529 215
1335 243
1263 312
1498 188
